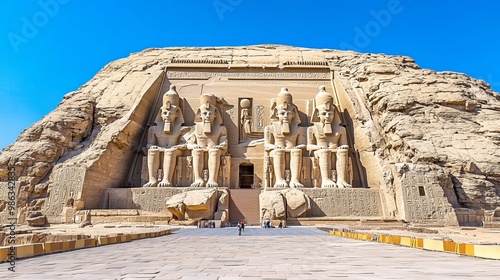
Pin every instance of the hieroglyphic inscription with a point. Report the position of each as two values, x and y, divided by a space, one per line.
68 183
231 114
259 112
346 202
175 74
424 199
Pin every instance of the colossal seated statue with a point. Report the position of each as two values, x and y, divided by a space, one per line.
328 140
282 137
208 139
164 140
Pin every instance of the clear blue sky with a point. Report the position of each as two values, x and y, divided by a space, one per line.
51 47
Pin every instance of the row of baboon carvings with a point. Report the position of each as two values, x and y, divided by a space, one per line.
284 142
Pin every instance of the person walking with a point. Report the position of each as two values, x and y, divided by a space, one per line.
239 229
242 223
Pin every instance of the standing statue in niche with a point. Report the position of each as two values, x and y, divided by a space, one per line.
245 120
208 139
328 139
164 140
283 136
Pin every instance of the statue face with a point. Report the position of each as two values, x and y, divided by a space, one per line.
325 117
284 116
167 115
207 115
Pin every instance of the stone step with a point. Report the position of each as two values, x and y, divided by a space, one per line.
130 219
371 222
244 205
114 212
125 215
494 224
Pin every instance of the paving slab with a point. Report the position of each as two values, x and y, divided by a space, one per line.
290 253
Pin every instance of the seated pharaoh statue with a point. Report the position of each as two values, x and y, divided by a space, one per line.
208 139
283 136
164 139
328 140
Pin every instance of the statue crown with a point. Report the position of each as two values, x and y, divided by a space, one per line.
284 97
323 98
171 96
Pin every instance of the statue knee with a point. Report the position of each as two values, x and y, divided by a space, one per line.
277 153
197 150
322 152
153 152
296 152
213 152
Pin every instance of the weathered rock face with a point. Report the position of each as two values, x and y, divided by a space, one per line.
441 125
418 135
198 204
282 204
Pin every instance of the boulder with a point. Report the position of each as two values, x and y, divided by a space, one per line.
36 219
272 205
297 202
282 204
194 205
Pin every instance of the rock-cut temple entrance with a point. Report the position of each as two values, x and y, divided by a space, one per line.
246 176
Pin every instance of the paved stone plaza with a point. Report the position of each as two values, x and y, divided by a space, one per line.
291 253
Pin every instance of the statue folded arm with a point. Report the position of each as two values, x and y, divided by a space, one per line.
222 140
269 140
152 142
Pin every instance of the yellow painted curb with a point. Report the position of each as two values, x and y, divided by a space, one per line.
487 251
469 249
80 243
68 245
433 245
482 251
396 240
419 243
3 253
449 246
35 249
92 242
29 250
101 240
406 241
52 247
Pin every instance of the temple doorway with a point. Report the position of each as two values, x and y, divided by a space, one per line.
246 175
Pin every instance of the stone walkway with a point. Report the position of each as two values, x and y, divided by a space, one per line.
291 253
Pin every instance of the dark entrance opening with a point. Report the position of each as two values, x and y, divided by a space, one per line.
246 176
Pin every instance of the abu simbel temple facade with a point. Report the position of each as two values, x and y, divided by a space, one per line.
259 133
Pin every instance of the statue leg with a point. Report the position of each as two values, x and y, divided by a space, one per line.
153 166
325 167
169 160
279 167
295 166
213 167
342 157
197 167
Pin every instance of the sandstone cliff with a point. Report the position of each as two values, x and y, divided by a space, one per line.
439 123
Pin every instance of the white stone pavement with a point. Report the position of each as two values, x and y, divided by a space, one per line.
291 253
